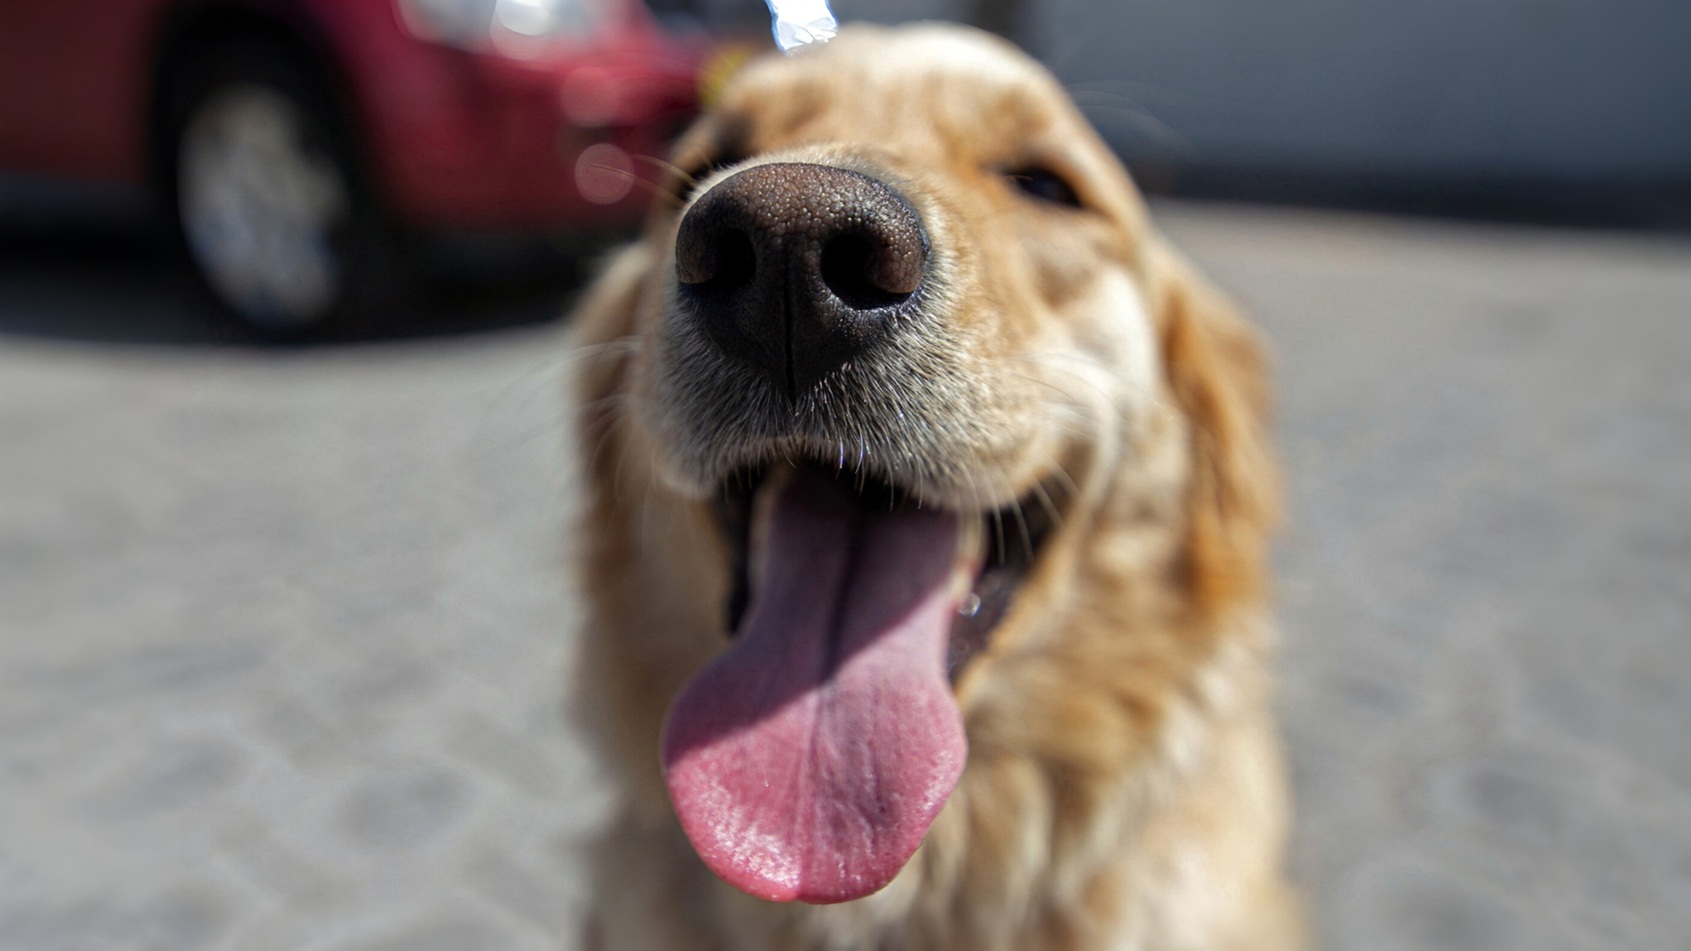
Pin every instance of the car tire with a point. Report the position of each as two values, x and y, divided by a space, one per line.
267 195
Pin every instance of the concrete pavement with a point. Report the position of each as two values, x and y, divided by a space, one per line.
281 629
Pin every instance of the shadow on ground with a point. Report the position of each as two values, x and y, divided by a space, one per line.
105 272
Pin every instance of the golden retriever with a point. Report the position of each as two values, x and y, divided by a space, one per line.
923 543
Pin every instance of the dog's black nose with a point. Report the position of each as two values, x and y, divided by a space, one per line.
797 268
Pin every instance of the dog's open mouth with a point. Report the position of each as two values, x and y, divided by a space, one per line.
808 761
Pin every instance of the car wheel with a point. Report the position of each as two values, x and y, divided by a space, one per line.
267 198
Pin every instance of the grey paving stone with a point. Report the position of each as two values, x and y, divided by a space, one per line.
1395 904
181 774
404 811
187 918
443 933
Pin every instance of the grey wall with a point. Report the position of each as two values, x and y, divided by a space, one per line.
1596 90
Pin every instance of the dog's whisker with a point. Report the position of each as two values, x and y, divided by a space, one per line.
616 475
612 405
1027 536
1044 497
1088 362
997 522
650 187
622 346
1101 98
658 162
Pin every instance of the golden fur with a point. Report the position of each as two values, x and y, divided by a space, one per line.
1123 787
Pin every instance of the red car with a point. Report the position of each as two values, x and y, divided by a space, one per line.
297 140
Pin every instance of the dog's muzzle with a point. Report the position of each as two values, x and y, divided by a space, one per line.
796 269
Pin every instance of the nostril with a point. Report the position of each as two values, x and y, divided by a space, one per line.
865 273
794 269
720 260
736 262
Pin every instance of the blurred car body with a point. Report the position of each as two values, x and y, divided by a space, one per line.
293 140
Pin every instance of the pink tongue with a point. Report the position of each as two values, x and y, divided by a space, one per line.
808 761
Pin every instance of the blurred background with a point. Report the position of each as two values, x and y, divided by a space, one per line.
284 476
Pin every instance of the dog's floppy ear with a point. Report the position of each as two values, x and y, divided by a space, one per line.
1215 370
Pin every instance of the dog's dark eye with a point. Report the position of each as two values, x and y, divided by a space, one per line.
1045 185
